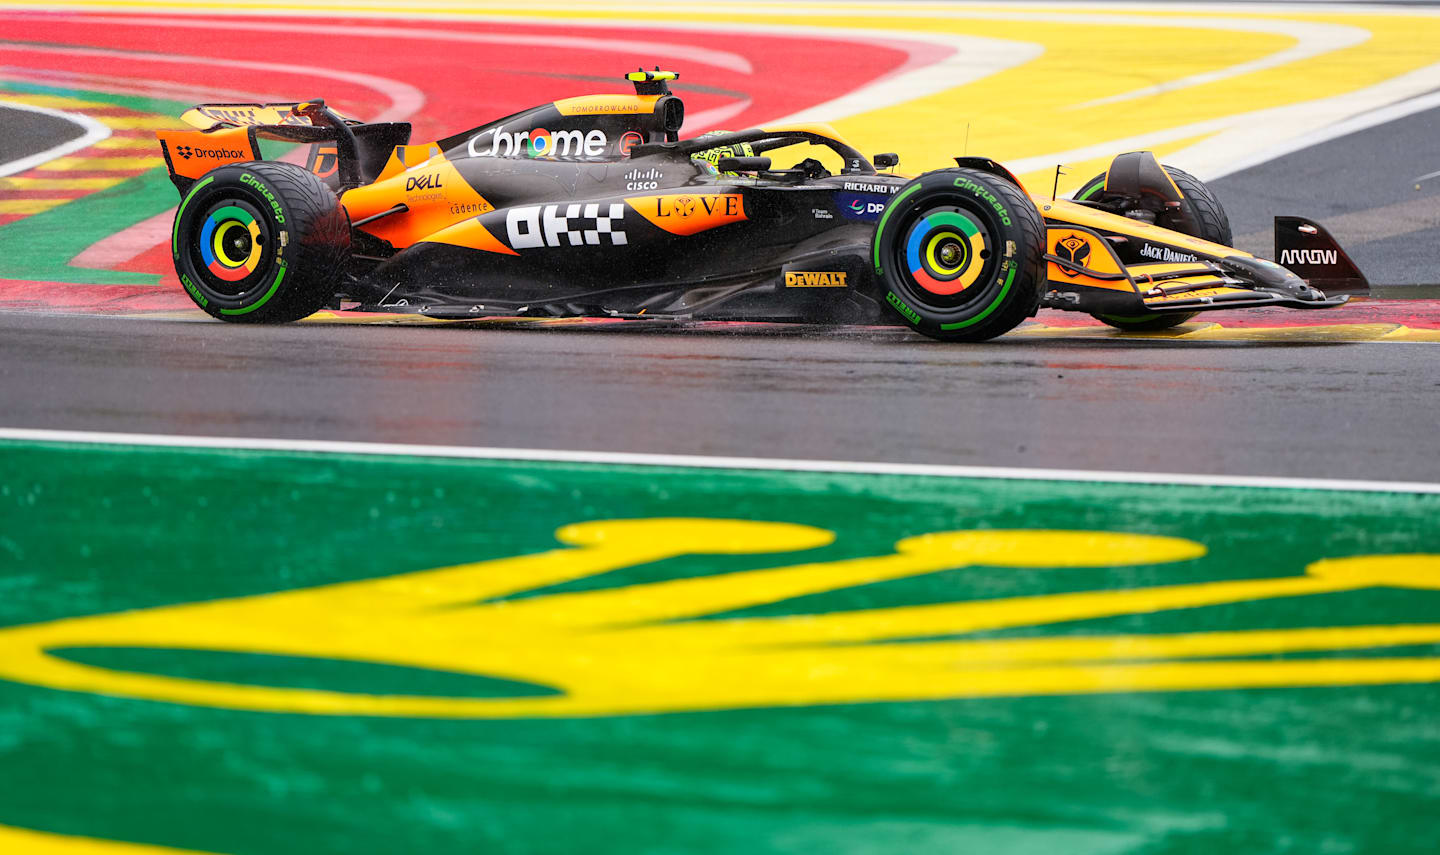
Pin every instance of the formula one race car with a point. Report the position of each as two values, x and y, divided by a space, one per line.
594 206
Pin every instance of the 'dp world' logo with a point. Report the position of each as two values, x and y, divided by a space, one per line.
1074 249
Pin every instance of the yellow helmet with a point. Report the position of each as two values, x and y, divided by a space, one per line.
710 157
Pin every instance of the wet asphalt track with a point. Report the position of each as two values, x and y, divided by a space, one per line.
1321 410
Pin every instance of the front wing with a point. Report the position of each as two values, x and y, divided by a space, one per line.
1102 264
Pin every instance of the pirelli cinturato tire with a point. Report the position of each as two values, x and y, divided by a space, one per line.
260 242
1214 226
958 255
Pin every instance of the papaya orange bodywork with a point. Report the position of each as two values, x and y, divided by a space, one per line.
434 193
194 153
1090 250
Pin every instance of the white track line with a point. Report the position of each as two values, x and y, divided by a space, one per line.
94 132
616 458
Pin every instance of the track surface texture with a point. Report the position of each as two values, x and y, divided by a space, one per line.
1334 410
644 588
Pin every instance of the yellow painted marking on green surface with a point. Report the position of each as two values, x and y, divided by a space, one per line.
28 206
13 183
639 649
100 164
22 841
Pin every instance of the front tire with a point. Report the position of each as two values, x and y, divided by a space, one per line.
1214 226
958 255
260 242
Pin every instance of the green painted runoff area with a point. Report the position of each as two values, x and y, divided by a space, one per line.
1304 757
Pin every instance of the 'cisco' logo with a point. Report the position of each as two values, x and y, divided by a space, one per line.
188 152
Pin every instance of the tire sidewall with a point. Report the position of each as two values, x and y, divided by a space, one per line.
242 187
973 194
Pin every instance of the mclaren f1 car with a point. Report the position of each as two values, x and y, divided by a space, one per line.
595 206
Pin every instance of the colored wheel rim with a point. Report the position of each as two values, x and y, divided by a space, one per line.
945 252
231 243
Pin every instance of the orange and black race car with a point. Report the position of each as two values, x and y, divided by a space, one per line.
594 206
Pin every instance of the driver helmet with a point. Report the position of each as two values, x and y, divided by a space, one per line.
708 158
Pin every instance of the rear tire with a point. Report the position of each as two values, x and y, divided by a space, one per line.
1214 226
260 242
958 255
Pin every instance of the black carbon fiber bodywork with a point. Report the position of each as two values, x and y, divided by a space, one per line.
656 233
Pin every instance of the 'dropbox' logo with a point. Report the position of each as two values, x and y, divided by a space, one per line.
187 152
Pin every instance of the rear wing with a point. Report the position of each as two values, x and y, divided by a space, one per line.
303 114
343 151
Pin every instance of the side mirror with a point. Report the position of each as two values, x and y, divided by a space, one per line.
742 164
886 161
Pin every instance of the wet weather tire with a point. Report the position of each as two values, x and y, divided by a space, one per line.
260 242
958 255
1214 226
